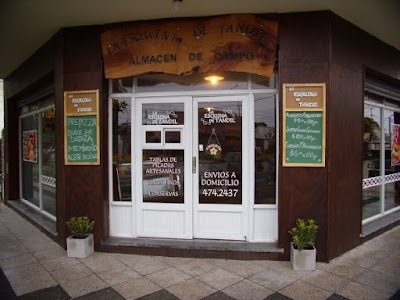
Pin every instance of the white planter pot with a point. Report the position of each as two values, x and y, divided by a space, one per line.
304 260
80 248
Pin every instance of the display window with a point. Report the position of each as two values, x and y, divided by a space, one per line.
198 160
38 157
381 156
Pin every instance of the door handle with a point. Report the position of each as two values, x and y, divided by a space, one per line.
194 164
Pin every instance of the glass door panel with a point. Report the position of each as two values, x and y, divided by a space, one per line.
218 200
220 152
164 179
30 159
48 161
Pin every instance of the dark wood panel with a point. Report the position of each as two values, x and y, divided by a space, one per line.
11 151
303 58
85 188
345 148
304 37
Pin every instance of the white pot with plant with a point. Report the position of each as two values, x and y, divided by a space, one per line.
80 244
302 250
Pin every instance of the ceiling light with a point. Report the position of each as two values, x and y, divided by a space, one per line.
214 79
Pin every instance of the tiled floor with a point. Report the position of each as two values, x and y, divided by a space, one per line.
35 267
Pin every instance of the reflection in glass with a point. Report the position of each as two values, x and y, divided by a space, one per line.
265 149
122 85
172 137
371 203
121 144
194 82
376 163
371 141
261 82
163 175
49 161
220 152
153 137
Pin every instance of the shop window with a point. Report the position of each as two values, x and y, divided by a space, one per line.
265 149
38 161
381 155
196 82
121 147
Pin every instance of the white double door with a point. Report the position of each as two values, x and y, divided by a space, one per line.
189 167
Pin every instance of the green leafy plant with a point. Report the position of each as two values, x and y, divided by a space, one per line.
304 234
80 227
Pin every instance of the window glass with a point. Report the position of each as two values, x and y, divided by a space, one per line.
172 137
371 202
220 152
163 175
265 149
163 114
381 170
30 159
371 141
153 137
195 82
49 161
121 145
122 85
261 82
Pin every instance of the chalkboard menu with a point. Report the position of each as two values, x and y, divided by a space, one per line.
304 125
81 128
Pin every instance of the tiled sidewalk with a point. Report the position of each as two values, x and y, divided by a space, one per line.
35 267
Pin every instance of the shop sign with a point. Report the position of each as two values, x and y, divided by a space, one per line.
241 43
304 125
29 144
163 176
81 128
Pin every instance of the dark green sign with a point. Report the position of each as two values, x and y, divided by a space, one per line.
304 142
81 140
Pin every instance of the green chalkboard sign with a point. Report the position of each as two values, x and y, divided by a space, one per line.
304 142
81 146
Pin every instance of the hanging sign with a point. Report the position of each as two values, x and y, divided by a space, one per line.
304 125
241 43
81 128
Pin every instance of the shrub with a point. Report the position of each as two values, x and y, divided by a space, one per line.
304 234
80 227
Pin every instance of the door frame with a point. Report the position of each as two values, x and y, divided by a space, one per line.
221 210
39 155
159 213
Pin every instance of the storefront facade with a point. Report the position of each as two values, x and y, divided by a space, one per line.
118 123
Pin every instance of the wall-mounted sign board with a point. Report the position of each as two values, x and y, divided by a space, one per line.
304 125
81 128
239 43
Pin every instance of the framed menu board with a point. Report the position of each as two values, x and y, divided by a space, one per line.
304 125
81 128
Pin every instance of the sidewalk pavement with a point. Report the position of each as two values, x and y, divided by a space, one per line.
35 267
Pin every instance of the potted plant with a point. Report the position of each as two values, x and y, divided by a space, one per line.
302 250
80 243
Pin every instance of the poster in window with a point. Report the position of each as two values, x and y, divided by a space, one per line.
29 144
395 161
